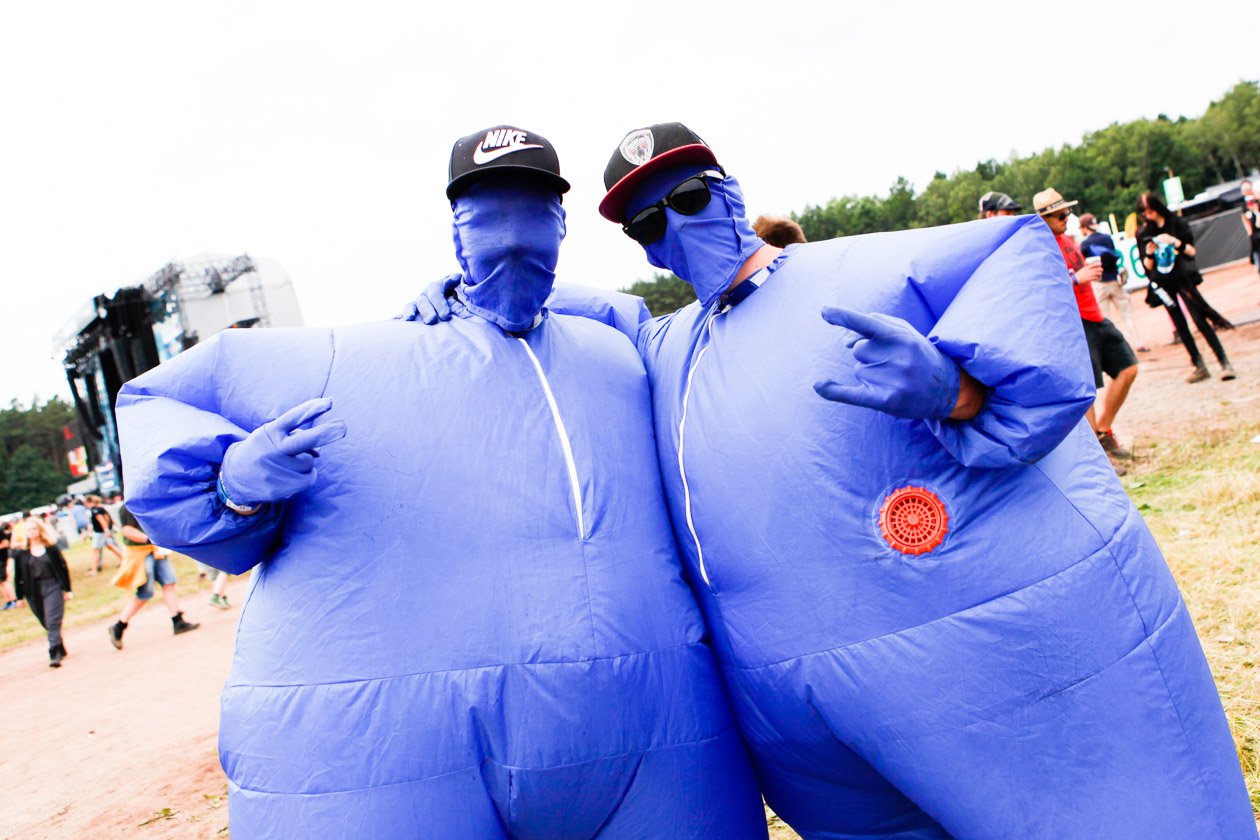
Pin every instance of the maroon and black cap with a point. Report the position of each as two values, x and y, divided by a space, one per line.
503 148
642 152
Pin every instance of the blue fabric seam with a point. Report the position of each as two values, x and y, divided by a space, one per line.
1009 706
842 648
1128 588
332 357
509 767
547 663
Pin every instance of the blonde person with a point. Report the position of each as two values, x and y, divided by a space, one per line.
42 578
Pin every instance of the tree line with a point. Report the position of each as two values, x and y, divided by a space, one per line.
1106 172
33 465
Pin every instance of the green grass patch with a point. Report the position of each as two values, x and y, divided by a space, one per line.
1201 499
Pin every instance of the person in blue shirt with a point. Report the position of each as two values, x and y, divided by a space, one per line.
1109 290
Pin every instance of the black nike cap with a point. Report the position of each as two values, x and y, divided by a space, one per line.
503 148
642 152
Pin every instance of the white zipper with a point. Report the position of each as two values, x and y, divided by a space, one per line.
564 439
682 470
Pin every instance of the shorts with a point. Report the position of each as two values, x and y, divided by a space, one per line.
160 570
101 539
1108 351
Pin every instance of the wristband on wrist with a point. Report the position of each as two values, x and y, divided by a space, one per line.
243 510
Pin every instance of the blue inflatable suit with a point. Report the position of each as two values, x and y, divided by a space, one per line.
930 628
1035 673
472 623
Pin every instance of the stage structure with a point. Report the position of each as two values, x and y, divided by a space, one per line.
114 338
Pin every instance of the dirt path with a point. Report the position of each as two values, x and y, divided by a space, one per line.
101 747
1162 406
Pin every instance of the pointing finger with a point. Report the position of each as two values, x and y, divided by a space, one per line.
857 394
307 440
302 414
851 319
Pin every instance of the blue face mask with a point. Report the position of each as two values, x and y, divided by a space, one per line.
707 249
507 235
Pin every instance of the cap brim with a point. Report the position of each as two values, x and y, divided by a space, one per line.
613 206
463 182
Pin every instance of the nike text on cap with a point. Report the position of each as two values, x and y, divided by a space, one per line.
642 152
501 149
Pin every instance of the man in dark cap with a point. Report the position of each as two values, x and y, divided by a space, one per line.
998 204
938 615
468 618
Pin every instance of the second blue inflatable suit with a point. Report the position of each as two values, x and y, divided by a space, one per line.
933 628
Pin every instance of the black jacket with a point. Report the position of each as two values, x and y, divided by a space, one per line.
1185 271
24 583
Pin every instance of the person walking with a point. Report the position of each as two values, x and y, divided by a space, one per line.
102 533
218 592
141 553
1166 244
6 586
1251 221
43 579
82 520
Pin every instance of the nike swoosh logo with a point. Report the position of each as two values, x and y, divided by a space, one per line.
482 157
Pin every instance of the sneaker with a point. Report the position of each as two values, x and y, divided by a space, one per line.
8 605
219 601
1121 469
179 625
1200 373
1112 447
1227 373
54 656
1142 348
115 634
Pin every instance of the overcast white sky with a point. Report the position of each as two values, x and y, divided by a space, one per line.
318 134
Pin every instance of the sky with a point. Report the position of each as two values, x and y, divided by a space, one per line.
318 134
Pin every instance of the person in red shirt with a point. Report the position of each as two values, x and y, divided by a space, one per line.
1108 349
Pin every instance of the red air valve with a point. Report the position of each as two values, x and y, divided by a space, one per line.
913 520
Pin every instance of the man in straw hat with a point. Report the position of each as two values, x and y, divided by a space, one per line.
1109 352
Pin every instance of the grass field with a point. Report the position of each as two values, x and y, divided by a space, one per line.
1201 498
94 597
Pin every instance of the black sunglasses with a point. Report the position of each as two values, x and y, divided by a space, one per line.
688 198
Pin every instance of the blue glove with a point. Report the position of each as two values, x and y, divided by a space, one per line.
277 460
433 305
898 370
